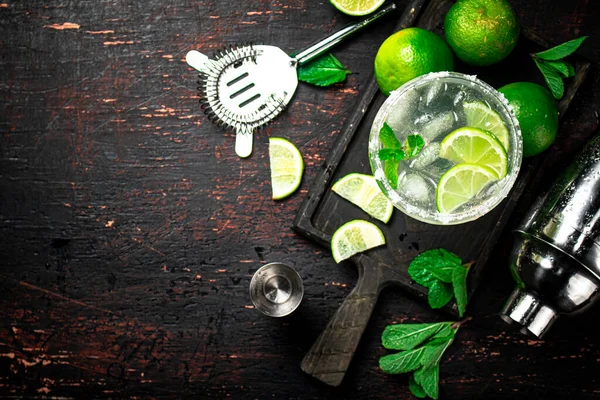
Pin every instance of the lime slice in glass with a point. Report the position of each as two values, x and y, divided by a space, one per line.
479 115
460 184
355 237
286 167
475 146
357 7
363 191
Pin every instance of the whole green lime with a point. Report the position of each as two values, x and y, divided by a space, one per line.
481 32
536 111
410 53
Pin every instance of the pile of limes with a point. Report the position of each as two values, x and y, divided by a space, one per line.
480 32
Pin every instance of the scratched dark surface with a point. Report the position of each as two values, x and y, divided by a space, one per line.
130 230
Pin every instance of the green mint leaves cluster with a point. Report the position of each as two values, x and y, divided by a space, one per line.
393 151
553 66
324 71
444 274
422 347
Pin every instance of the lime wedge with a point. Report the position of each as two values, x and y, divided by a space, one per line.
479 115
475 146
363 191
355 237
286 167
460 184
357 7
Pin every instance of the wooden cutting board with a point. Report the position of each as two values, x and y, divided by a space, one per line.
323 211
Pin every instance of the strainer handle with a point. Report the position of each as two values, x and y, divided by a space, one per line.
243 141
198 61
321 47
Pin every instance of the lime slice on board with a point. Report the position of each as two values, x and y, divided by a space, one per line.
355 237
363 191
460 184
357 7
479 115
286 167
475 146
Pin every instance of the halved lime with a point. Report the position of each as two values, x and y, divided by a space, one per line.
355 237
357 7
460 184
479 115
286 167
475 146
363 191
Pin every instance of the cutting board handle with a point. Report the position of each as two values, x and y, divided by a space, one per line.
329 357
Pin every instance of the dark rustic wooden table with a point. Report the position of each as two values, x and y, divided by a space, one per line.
130 230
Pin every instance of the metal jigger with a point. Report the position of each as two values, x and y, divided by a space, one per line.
276 289
556 254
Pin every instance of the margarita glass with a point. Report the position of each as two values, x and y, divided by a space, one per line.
434 106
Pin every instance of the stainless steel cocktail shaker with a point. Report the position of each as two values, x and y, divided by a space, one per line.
556 252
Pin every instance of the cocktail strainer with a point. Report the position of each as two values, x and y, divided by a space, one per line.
245 87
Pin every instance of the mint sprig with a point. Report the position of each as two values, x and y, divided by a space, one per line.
408 336
444 274
562 50
554 69
423 347
324 71
393 151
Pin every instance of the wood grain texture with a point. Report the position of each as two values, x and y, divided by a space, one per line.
130 229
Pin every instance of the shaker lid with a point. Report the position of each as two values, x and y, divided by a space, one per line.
527 310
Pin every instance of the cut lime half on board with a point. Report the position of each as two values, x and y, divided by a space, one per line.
363 191
355 237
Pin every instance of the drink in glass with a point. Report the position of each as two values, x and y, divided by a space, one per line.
471 154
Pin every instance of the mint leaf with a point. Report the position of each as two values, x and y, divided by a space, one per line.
559 66
571 68
324 71
391 154
402 362
445 332
413 145
407 336
432 265
388 137
429 379
439 294
435 349
391 172
459 281
416 389
552 78
562 50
